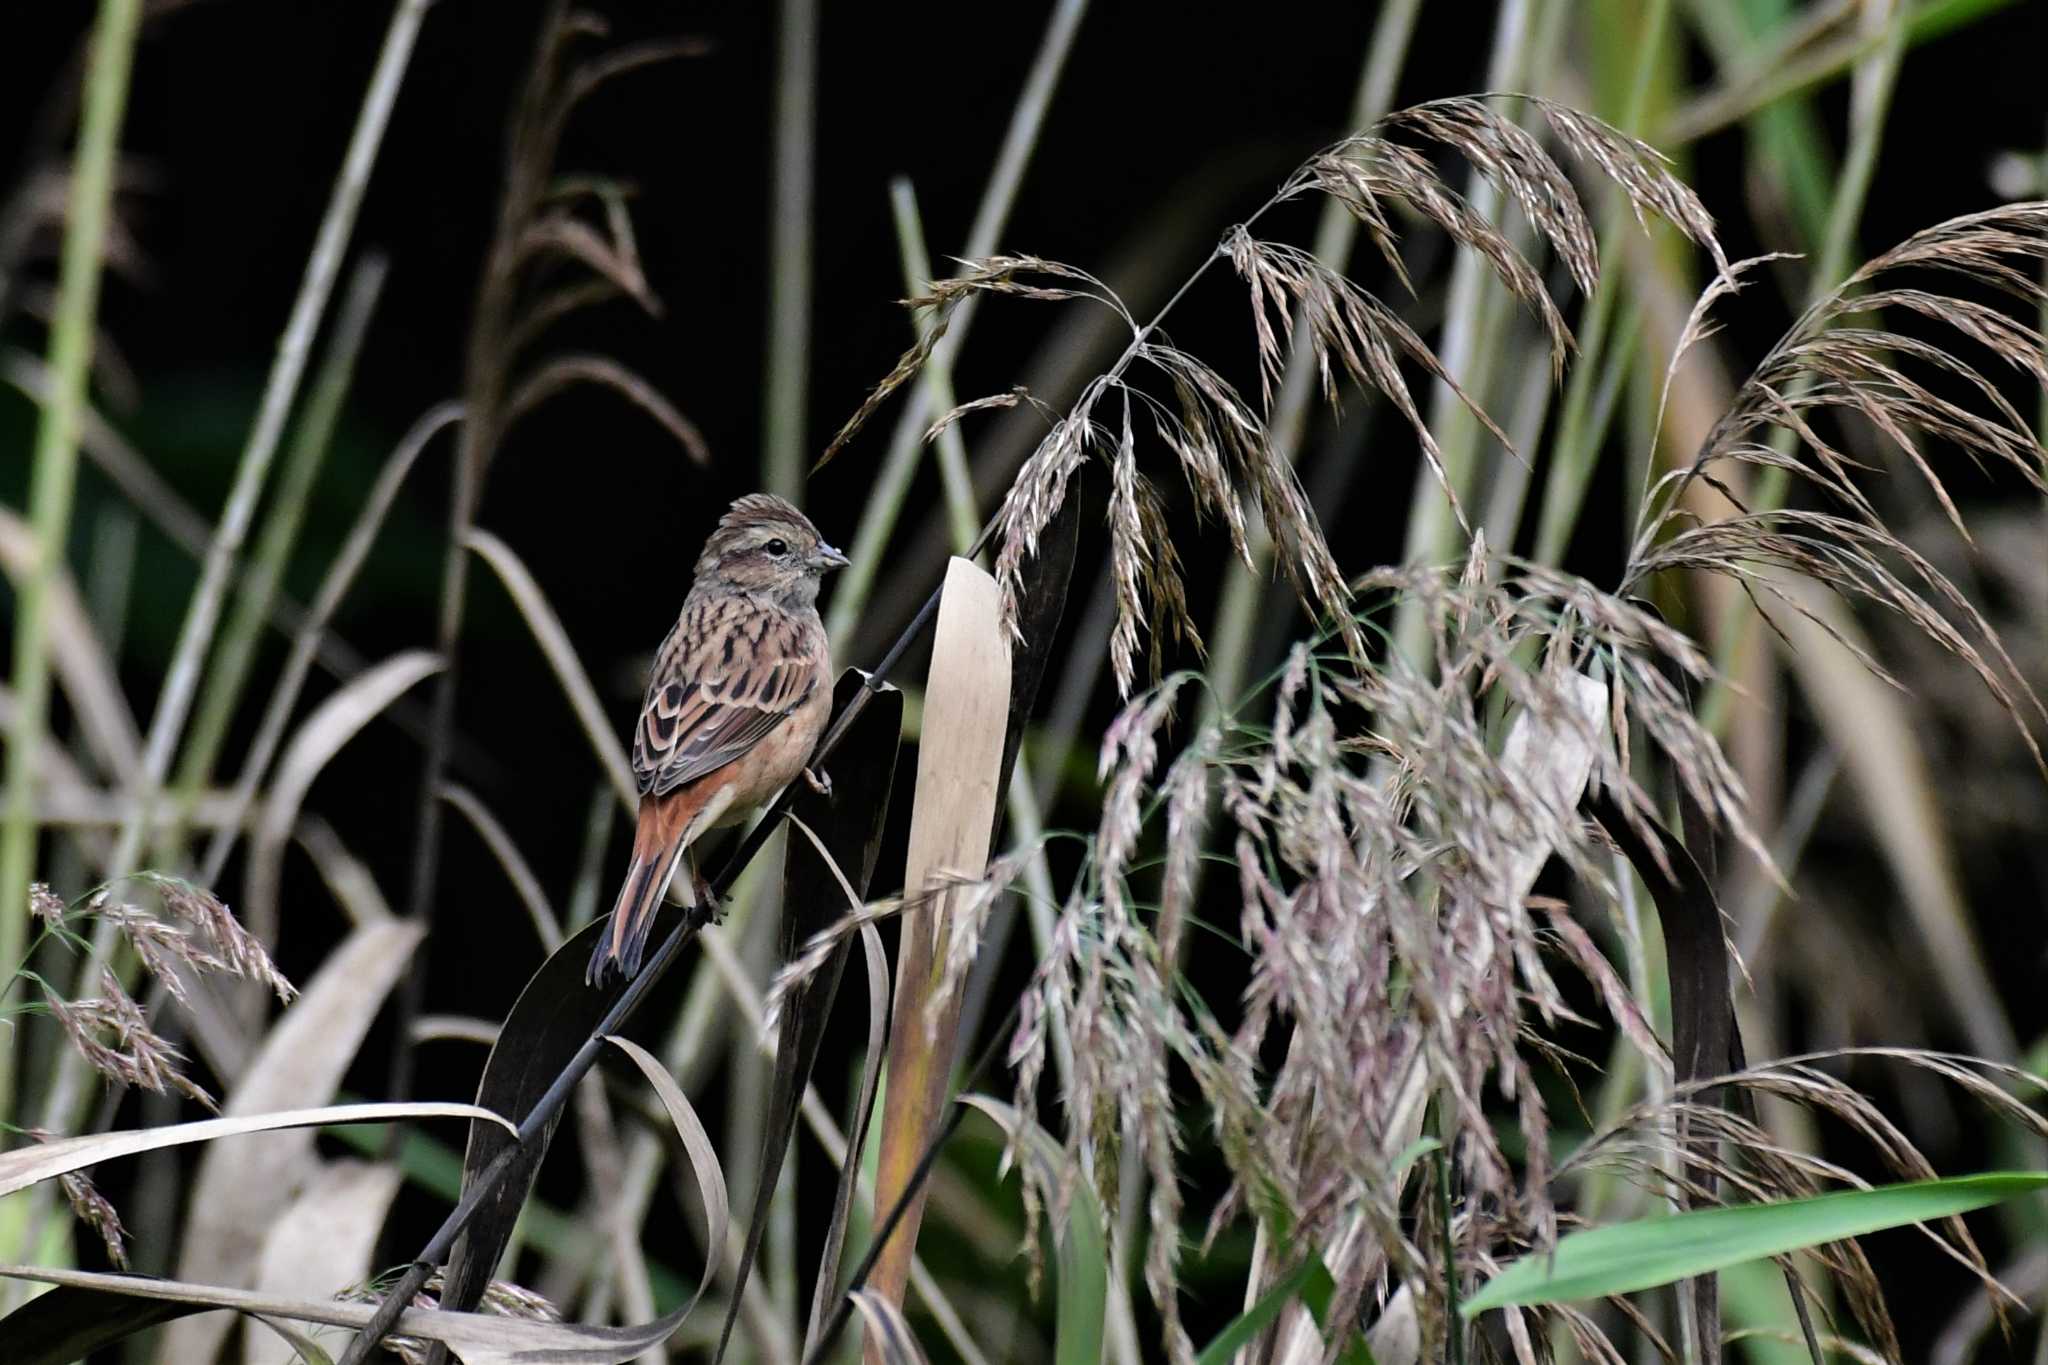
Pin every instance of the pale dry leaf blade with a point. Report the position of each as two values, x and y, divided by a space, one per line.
476 1338
952 816
26 1166
1553 756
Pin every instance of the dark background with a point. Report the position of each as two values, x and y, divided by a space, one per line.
1169 123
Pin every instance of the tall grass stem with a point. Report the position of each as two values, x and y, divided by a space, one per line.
787 382
55 473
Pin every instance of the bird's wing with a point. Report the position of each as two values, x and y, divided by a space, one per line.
727 675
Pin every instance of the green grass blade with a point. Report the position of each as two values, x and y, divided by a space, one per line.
1248 1324
54 479
1083 1296
1646 1253
1309 1282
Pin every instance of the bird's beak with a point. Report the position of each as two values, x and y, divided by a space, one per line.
830 558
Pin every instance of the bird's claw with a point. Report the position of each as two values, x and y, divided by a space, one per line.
819 781
710 905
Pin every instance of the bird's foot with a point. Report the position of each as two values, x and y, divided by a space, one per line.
820 782
710 905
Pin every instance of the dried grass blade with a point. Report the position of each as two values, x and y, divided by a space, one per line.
324 1242
26 1166
554 376
562 658
966 713
332 725
703 1156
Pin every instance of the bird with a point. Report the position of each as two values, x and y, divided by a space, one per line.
737 698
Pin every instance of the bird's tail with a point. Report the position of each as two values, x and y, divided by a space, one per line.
658 843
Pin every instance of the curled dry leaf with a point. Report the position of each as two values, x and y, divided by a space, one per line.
333 723
703 1156
476 1339
563 372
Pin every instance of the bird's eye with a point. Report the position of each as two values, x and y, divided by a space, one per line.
778 548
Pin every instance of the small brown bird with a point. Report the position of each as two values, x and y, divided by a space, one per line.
739 695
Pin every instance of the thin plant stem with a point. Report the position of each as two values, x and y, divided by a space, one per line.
1575 453
937 378
787 383
243 630
1453 1328
323 268
486 366
891 484
181 680
55 472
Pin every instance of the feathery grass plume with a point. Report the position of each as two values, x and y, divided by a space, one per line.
1220 442
112 1034
195 933
810 958
91 1207
990 275
1386 843
971 911
45 905
1835 370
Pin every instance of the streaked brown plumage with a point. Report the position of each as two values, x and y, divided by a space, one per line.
740 692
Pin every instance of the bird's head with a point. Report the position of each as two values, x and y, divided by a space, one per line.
765 547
